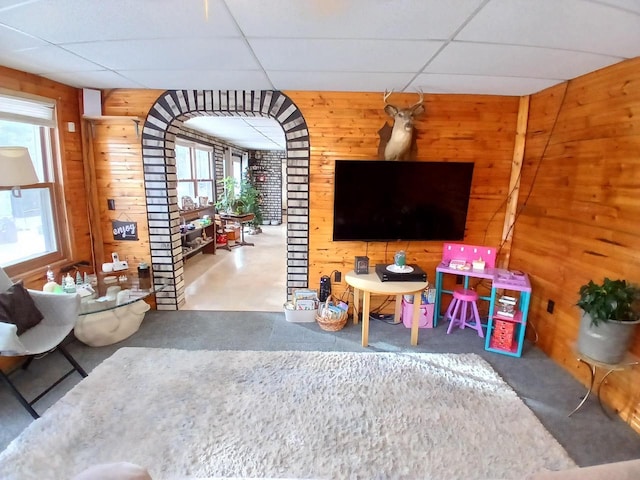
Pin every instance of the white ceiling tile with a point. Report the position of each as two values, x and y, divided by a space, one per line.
275 130
629 5
7 4
339 81
242 131
481 85
512 61
262 122
316 45
97 79
390 19
170 54
220 123
567 24
200 79
343 55
63 21
49 59
12 40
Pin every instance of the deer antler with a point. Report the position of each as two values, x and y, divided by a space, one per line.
419 102
387 95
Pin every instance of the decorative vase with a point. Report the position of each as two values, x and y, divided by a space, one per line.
607 342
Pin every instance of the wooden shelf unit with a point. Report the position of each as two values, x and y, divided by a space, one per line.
208 246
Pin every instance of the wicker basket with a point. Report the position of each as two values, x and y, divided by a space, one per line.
331 324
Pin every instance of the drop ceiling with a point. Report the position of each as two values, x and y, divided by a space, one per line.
500 47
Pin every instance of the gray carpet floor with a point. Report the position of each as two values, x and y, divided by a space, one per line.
589 436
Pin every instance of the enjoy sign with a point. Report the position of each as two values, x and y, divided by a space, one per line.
124 230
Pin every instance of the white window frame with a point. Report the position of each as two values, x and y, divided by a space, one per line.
193 146
40 112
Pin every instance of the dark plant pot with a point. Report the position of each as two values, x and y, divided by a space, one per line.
608 342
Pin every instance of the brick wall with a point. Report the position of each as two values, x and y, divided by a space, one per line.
266 168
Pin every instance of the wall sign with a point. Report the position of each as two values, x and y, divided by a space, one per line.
124 230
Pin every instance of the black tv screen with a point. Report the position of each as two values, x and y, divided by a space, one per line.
377 200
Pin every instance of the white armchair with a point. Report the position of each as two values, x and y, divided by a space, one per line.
60 313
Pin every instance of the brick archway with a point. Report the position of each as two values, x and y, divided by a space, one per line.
158 156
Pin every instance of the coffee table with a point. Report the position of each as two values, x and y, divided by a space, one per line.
116 309
370 283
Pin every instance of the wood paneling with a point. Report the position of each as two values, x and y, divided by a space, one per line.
581 220
117 163
71 173
344 125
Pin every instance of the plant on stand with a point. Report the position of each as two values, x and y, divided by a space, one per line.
611 311
251 199
228 202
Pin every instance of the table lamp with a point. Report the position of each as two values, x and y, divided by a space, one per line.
17 169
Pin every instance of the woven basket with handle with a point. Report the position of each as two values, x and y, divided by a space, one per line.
330 324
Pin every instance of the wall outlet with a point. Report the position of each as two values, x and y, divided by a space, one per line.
550 305
338 277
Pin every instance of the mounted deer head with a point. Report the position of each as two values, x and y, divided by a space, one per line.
400 141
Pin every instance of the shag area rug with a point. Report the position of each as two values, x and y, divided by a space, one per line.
288 415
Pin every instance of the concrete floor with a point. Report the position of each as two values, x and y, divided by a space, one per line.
247 278
589 436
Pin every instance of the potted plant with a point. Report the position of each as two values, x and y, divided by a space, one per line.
611 310
251 199
228 202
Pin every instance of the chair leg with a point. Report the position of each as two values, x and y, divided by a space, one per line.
18 395
72 361
23 401
27 362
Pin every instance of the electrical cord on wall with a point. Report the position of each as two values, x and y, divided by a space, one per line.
533 180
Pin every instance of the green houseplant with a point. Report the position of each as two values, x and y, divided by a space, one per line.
611 310
228 202
251 198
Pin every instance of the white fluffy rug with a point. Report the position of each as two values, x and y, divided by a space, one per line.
288 415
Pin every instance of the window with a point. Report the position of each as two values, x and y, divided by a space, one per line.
29 234
236 171
194 168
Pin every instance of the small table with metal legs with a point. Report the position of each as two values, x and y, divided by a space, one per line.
628 362
239 219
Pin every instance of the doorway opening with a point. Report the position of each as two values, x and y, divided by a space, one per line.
164 121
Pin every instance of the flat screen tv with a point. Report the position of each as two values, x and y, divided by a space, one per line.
377 200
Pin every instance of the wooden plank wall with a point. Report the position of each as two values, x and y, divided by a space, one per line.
117 157
345 125
582 218
70 174
71 171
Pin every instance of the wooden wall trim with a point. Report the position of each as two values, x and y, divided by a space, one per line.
514 181
91 187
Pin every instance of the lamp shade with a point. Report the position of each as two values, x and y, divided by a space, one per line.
16 167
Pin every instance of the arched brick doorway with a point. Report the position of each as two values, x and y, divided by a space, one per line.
158 156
